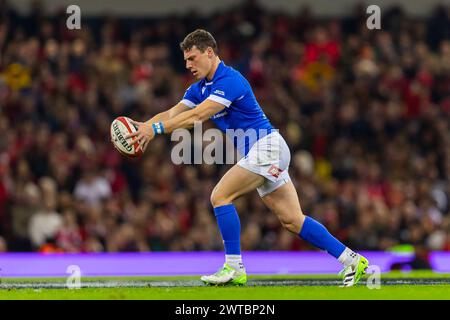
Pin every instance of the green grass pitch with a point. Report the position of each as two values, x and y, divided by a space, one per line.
394 285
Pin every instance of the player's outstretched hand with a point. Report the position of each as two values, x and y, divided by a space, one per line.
143 135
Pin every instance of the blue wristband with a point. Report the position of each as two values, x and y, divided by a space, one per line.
158 128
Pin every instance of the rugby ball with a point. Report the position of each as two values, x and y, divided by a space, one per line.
120 127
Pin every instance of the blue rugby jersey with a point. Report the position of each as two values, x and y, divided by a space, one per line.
242 111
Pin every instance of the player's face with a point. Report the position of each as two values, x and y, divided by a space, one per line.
199 63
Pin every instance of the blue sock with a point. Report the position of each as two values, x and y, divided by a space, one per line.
316 234
230 228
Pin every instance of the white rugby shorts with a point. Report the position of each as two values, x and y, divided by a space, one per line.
269 157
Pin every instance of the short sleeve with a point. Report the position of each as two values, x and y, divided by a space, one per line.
227 90
190 97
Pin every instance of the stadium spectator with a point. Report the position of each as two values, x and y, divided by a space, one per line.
45 223
3 245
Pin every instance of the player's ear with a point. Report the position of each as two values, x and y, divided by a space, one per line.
210 52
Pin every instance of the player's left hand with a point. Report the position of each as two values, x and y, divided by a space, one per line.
143 135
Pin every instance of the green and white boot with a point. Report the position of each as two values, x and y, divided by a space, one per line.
227 275
351 274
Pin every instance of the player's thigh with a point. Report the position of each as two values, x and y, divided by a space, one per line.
236 182
285 204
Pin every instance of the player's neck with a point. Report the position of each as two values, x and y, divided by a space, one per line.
211 74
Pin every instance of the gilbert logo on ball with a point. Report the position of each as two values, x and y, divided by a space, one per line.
120 127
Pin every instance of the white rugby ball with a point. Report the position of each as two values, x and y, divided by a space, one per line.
120 127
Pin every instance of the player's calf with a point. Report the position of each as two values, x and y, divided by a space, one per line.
292 223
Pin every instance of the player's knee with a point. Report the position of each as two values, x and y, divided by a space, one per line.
217 199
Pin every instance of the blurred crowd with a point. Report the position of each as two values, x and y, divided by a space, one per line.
366 114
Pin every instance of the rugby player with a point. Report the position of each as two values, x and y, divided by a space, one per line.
223 95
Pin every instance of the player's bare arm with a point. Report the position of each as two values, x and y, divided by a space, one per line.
165 115
183 120
186 120
171 113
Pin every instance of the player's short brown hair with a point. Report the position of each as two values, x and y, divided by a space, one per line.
200 38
